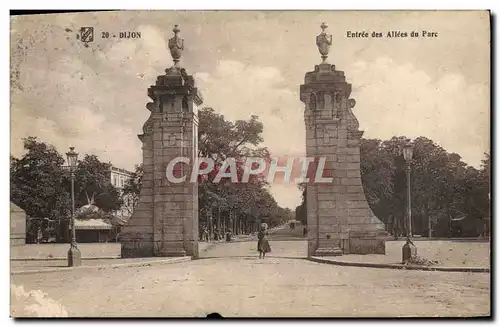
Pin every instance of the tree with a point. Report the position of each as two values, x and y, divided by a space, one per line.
37 181
474 188
301 210
37 185
443 188
92 179
220 139
131 189
214 135
377 173
41 185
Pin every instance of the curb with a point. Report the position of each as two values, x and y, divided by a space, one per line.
398 266
117 265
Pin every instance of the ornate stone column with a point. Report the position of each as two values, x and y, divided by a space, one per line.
165 222
339 218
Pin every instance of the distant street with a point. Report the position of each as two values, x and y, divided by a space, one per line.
231 280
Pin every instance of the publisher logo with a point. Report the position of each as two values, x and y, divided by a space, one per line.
87 34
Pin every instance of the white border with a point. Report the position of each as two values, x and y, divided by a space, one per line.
188 5
260 5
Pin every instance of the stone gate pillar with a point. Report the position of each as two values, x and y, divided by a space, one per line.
339 218
165 222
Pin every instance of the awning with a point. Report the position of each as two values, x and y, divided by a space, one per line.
92 224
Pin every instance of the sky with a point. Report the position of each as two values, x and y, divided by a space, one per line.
248 63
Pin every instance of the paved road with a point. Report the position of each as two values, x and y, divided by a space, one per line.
232 281
286 233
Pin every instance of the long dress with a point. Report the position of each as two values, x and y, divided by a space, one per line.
263 243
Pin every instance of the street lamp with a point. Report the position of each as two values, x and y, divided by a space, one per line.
74 255
408 154
409 249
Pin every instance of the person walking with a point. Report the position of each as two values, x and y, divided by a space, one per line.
263 244
205 234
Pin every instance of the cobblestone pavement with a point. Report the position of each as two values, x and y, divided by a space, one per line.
237 283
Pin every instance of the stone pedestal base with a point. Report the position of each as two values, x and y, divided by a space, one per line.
409 251
74 257
172 252
135 246
140 248
366 243
328 252
170 249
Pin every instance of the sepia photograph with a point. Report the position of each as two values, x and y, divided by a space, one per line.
250 164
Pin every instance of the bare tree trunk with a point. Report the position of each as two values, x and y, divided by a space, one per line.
211 224
234 223
224 224
233 216
429 227
218 219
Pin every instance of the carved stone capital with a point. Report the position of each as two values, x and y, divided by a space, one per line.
147 128
351 103
152 106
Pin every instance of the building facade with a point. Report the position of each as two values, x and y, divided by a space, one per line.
17 225
119 178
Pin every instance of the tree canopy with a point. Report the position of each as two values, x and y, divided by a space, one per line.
92 180
41 184
220 139
38 181
443 187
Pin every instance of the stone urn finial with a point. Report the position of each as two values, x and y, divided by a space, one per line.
176 45
324 41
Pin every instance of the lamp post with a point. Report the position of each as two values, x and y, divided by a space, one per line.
408 155
409 249
74 255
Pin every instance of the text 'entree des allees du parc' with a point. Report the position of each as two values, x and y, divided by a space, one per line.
392 34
